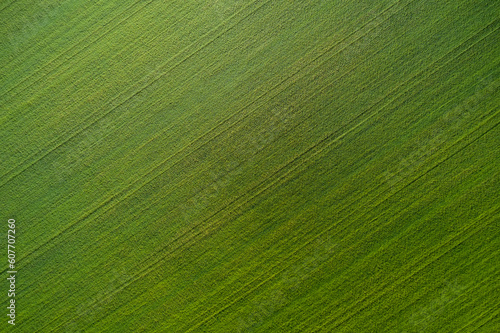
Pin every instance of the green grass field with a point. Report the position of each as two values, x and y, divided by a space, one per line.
251 166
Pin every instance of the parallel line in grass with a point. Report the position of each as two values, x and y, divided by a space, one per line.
466 145
82 78
181 184
486 315
163 74
480 317
427 216
182 247
459 302
492 316
82 127
461 298
245 107
282 82
8 5
377 205
86 74
492 274
185 180
394 286
233 26
318 236
253 102
391 194
115 55
450 155
84 39
151 267
492 86
277 172
342 41
430 257
271 276
481 320
202 234
145 208
229 300
240 120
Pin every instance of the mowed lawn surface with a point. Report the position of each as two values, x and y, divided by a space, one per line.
252 166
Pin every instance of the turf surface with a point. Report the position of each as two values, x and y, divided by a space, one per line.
252 166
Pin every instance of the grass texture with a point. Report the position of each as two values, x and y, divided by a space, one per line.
252 166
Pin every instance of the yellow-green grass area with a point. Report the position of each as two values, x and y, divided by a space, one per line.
251 166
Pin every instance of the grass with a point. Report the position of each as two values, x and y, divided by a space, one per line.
239 166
